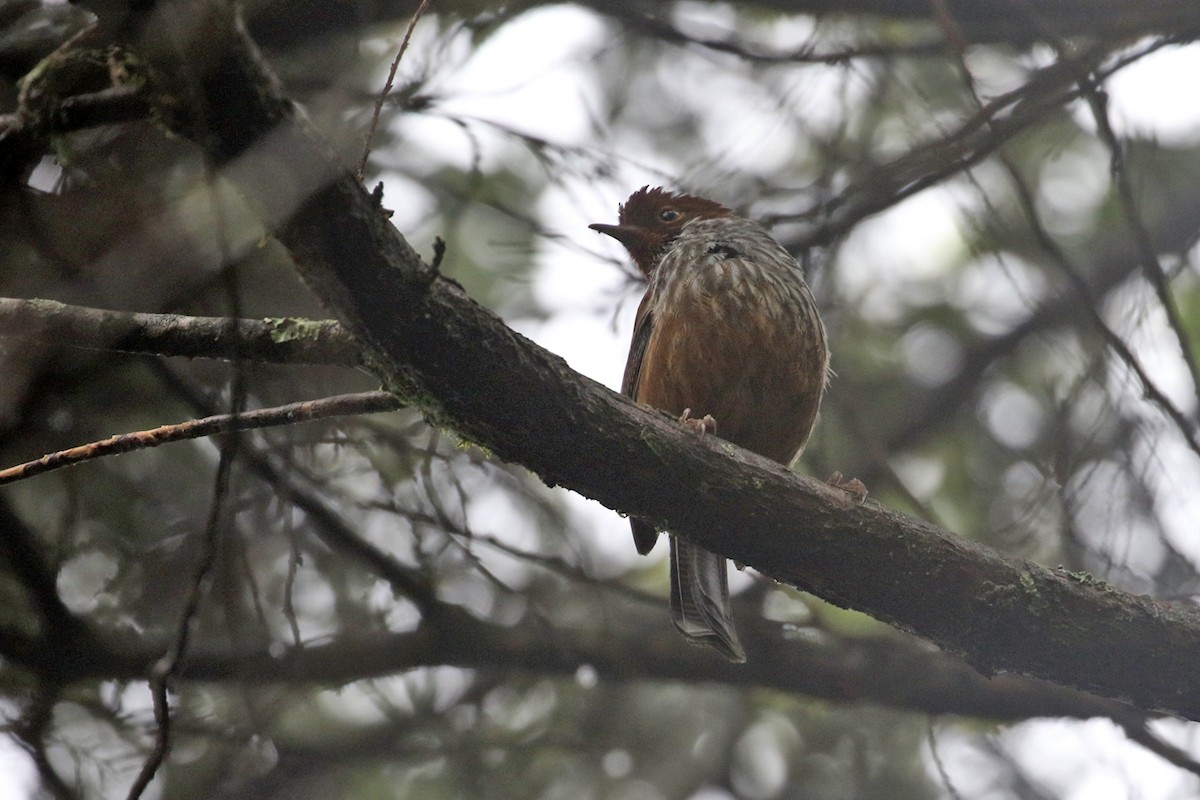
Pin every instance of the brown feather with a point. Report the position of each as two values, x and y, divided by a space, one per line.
645 536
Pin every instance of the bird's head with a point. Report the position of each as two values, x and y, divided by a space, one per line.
651 219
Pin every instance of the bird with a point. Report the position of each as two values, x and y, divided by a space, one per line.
727 338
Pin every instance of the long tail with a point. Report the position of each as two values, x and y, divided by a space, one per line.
700 599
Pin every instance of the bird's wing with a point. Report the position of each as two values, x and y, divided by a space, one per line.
644 534
643 327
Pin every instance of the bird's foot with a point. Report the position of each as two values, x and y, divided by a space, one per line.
705 424
853 486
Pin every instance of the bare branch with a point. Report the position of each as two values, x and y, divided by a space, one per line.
165 667
220 515
341 405
387 87
993 124
329 524
287 340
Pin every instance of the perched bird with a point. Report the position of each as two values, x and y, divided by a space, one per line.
727 331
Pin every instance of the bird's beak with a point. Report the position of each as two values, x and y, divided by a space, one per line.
627 235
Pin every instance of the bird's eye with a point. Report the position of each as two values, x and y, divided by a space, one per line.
668 215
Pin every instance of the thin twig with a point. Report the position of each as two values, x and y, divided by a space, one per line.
439 252
219 517
650 25
164 668
1152 268
1153 393
30 732
289 583
999 120
387 88
937 761
1138 731
326 521
339 405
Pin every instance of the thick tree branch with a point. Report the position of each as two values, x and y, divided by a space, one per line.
471 372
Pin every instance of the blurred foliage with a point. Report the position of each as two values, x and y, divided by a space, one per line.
972 325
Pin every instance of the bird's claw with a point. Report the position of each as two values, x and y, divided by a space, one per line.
705 424
853 486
